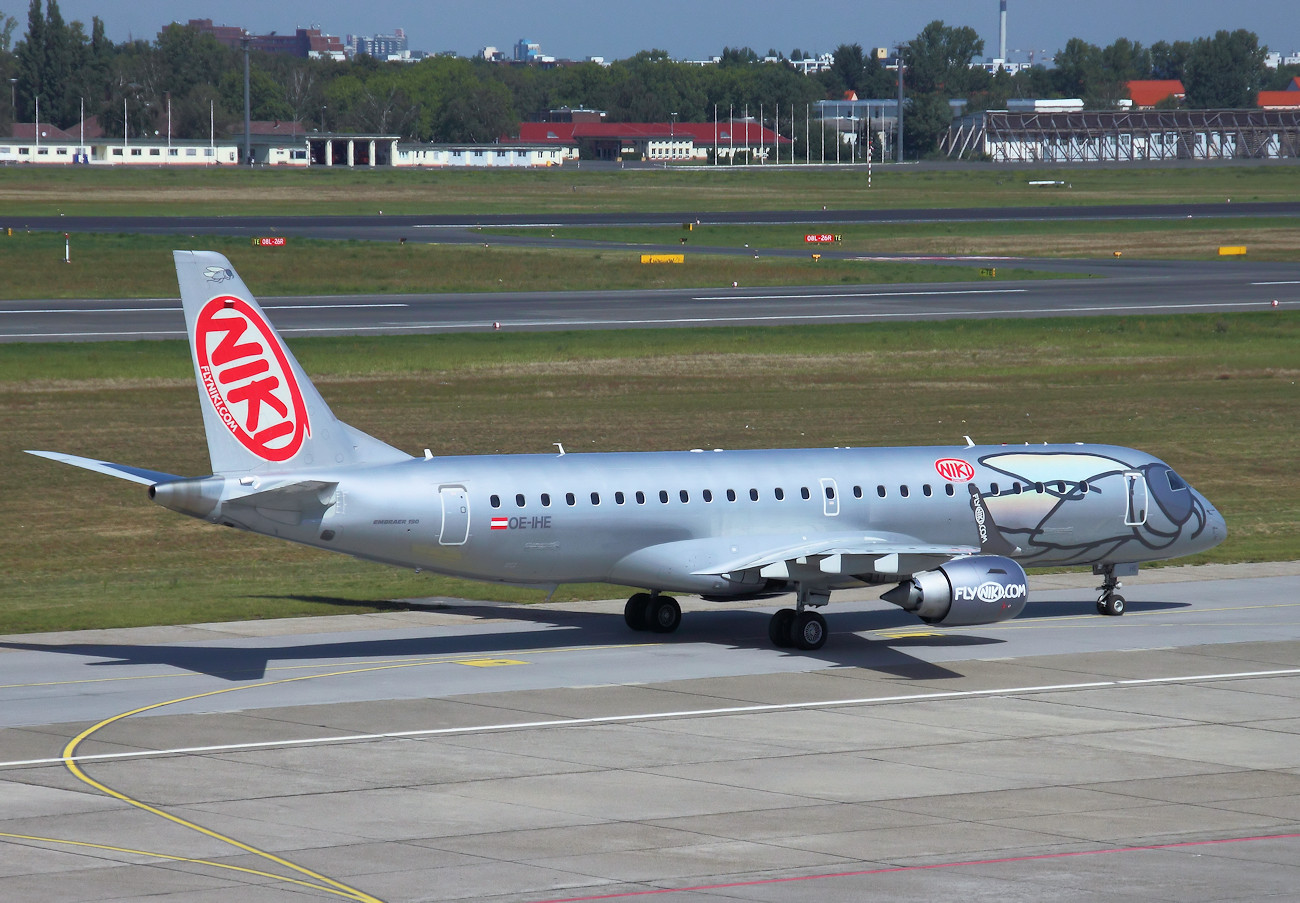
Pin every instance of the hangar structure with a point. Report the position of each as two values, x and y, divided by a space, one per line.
1124 136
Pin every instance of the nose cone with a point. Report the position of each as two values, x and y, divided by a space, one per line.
1216 528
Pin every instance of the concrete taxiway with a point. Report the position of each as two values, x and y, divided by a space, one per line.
459 751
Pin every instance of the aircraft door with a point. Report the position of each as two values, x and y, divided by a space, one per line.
830 497
1135 493
455 515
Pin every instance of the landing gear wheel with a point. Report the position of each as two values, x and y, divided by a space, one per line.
634 611
1112 605
808 630
663 614
778 629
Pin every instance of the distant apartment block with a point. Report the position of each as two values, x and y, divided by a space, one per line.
307 43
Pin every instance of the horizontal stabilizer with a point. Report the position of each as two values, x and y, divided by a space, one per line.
121 471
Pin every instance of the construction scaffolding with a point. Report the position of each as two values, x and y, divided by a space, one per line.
1124 136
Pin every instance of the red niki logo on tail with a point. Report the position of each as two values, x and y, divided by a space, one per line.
247 377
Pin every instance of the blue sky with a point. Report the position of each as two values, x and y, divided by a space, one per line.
697 29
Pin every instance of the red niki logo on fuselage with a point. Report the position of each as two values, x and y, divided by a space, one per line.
246 375
955 470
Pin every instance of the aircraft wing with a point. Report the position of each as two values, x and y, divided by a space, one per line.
121 471
835 553
720 561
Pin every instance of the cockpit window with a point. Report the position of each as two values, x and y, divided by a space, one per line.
1175 481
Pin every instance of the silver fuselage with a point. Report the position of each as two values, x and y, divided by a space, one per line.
549 519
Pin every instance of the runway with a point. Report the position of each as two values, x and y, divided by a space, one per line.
463 751
1137 288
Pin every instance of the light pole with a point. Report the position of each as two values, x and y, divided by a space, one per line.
248 139
13 97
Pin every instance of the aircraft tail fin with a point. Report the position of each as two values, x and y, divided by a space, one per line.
260 410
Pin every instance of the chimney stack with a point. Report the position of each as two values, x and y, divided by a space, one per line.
1002 29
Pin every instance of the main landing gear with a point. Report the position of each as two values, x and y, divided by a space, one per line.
1109 602
651 611
800 628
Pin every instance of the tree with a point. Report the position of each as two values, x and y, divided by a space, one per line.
926 119
1169 61
1225 71
938 59
7 26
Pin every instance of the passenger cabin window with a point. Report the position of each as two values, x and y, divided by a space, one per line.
753 495
993 488
857 492
495 501
902 490
569 499
803 491
779 493
1083 487
1038 487
546 500
1015 487
926 490
731 495
595 498
707 495
684 496
619 498
640 497
519 500
830 493
949 490
880 491
663 496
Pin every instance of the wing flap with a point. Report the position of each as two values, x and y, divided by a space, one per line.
836 553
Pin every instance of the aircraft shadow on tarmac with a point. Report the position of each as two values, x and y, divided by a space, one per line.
558 630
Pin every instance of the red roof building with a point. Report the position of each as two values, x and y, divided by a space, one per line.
658 141
1146 94
1281 100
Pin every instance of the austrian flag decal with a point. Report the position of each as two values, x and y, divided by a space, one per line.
246 376
500 523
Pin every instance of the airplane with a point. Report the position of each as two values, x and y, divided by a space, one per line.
950 529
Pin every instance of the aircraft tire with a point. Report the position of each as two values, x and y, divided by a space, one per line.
634 611
1113 606
778 629
663 614
808 631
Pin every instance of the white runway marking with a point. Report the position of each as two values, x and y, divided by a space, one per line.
659 716
396 328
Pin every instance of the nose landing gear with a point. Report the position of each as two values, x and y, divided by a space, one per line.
1109 602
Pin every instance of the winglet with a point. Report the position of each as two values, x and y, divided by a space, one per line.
992 542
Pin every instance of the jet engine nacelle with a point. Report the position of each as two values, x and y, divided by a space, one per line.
980 589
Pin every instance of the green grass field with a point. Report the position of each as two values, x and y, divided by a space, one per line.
140 266
35 191
1275 238
1215 396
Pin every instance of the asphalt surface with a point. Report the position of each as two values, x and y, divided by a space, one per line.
1105 287
1136 288
477 752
